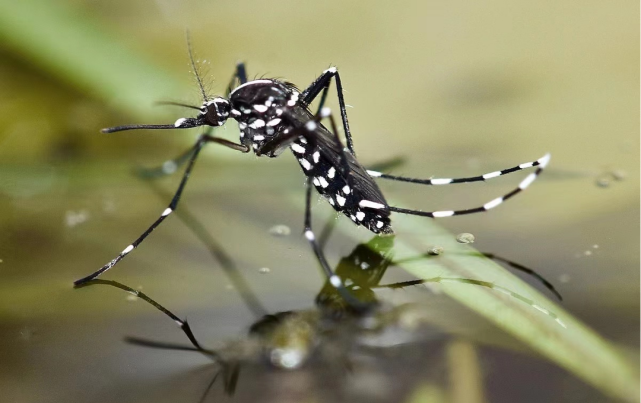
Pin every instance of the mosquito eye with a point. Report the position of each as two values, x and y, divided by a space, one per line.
217 111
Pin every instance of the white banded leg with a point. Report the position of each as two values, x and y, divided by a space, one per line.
541 163
204 139
332 277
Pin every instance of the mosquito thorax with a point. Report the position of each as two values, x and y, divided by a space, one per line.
215 112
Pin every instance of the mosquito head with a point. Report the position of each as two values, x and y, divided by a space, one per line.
215 112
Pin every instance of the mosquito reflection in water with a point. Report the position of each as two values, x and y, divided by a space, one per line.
330 332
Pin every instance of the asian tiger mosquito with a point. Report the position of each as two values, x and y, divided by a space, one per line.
272 115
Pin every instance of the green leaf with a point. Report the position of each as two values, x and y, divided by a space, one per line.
559 337
75 49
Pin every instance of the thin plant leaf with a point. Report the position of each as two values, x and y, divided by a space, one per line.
559 337
78 51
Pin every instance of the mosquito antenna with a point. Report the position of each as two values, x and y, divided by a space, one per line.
194 67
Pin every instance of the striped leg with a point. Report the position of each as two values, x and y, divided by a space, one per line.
448 181
333 279
541 163
217 251
204 139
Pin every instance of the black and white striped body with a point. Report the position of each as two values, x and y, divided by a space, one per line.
269 109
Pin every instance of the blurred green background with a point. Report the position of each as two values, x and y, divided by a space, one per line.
457 88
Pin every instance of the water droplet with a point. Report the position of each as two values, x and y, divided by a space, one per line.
619 174
131 297
73 218
264 270
465 237
169 167
603 182
26 333
435 250
280 230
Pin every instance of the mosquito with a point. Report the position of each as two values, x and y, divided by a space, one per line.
274 115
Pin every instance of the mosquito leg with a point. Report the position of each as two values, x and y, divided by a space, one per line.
481 283
184 326
526 270
448 181
333 279
322 84
240 75
219 254
204 139
487 206
514 265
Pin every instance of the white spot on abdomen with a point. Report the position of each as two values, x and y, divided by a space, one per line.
305 164
298 148
331 172
258 123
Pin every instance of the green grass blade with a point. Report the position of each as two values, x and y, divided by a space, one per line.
76 50
572 345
